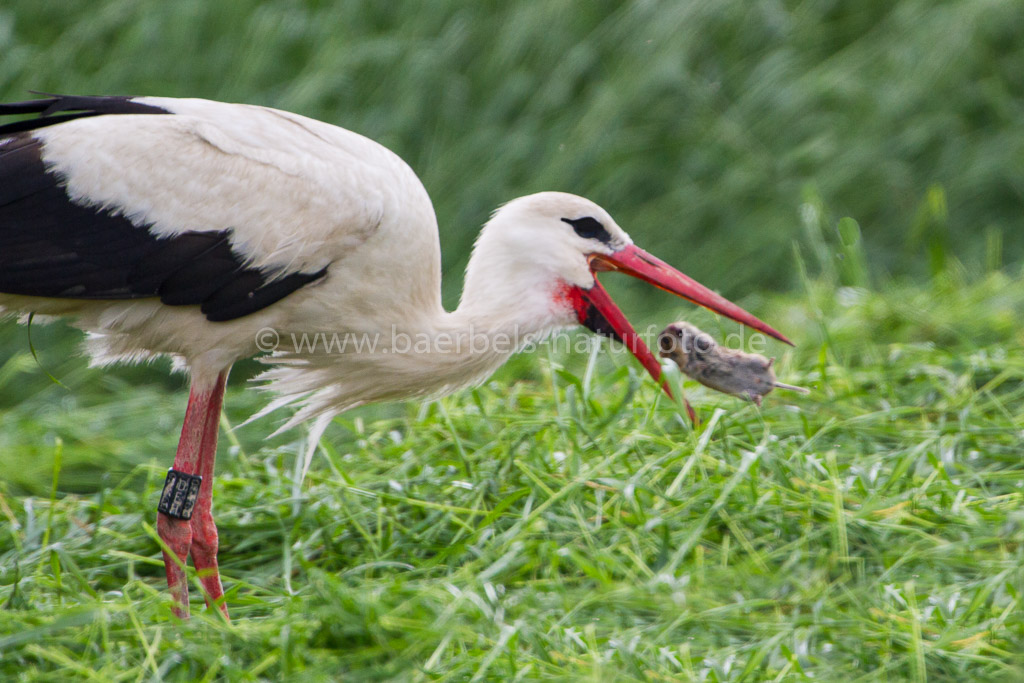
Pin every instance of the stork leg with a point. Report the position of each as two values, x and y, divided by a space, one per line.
204 530
197 450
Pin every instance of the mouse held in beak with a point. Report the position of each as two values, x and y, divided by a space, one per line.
730 371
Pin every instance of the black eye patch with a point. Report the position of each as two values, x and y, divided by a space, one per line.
589 228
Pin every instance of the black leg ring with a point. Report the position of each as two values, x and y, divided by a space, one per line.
180 493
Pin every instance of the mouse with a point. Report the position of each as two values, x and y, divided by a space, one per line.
730 371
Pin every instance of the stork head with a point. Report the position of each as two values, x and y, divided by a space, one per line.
553 244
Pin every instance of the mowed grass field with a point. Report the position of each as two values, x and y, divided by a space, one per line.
564 521
571 526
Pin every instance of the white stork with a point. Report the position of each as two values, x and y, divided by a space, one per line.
185 227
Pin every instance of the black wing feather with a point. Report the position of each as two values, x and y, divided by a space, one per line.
51 246
60 108
249 293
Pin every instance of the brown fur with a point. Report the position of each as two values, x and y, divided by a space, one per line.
730 371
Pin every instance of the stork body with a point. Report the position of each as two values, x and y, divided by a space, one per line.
189 228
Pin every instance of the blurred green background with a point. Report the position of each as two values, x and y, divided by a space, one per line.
727 137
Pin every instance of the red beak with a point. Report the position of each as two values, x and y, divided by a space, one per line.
597 311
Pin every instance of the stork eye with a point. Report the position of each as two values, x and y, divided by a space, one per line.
589 228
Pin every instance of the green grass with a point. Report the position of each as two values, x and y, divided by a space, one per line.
564 529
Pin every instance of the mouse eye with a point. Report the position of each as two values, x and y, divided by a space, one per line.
666 342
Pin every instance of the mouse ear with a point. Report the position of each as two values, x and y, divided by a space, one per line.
770 361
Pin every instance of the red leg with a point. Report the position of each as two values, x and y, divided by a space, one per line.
204 531
178 533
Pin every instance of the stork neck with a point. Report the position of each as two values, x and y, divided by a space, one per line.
503 307
508 297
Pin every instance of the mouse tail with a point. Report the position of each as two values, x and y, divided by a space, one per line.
790 387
